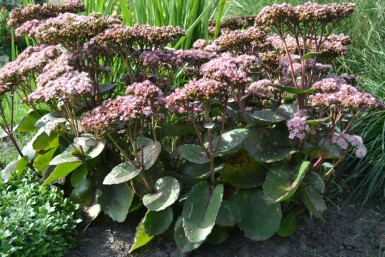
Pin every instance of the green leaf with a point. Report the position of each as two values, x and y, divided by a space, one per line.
150 154
141 237
199 171
64 158
116 201
42 161
229 214
79 175
230 141
28 123
310 55
28 150
156 223
268 145
287 110
282 181
316 181
313 201
268 116
316 121
17 166
143 141
61 171
45 142
242 171
6 173
294 90
289 225
181 240
193 153
167 192
200 211
84 193
122 173
260 221
95 151
218 236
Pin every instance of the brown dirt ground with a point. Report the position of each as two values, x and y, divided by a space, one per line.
344 233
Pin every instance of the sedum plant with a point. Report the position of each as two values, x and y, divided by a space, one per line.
248 141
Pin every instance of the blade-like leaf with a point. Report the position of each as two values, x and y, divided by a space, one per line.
141 237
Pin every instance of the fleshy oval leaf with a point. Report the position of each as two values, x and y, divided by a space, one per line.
193 153
167 192
200 210
122 173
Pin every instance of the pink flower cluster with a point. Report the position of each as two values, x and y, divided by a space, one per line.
344 140
67 87
30 61
297 127
125 38
244 41
142 100
232 70
335 92
34 11
309 12
262 88
156 58
73 30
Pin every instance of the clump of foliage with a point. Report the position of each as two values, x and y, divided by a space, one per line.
35 220
248 140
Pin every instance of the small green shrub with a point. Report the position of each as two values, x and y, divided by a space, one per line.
35 220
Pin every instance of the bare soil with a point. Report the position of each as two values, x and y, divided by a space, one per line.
344 233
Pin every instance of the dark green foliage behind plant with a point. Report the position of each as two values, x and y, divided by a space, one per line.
35 220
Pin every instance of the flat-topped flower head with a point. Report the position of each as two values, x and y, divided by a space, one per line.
328 85
232 70
30 61
207 89
145 90
339 94
195 57
182 103
69 86
328 47
169 59
113 114
40 12
123 38
324 13
262 88
72 30
244 41
308 13
277 13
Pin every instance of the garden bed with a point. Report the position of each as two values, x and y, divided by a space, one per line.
343 234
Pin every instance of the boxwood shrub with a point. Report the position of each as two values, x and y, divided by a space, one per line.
35 220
